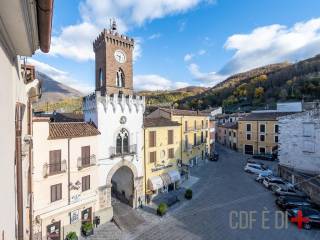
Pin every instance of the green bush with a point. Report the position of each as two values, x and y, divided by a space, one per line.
71 236
162 209
87 227
188 194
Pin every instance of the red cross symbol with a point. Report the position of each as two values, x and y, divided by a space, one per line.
299 219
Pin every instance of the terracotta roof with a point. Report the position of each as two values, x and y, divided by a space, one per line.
59 130
181 112
159 122
271 116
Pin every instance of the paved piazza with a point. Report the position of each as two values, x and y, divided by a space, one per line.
223 188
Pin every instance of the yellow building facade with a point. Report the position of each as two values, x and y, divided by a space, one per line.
162 154
194 133
258 133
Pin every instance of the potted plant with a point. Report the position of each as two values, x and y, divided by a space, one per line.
162 209
87 229
188 194
72 236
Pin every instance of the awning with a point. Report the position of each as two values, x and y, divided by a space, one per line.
155 183
174 175
166 179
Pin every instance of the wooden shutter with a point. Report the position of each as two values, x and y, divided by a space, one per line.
153 157
56 192
85 155
152 139
85 183
54 161
171 153
170 136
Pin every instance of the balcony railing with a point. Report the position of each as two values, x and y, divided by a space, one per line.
124 151
86 162
53 169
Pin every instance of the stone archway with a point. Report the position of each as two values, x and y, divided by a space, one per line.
137 191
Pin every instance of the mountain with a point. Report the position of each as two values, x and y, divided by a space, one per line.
57 96
168 97
261 87
53 91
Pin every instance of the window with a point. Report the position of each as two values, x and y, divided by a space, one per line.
152 138
85 183
262 150
225 132
202 140
206 123
194 139
262 128
54 161
202 123
56 192
276 139
276 128
234 134
308 129
122 145
186 126
100 78
229 134
248 127
309 146
85 155
195 124
186 142
249 137
170 153
262 138
120 78
153 157
170 136
206 134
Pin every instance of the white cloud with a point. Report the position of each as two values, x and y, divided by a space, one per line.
154 82
211 78
75 41
182 26
272 44
60 76
154 36
202 52
188 57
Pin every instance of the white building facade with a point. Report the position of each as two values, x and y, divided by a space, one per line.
118 114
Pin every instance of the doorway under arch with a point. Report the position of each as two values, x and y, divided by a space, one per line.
122 185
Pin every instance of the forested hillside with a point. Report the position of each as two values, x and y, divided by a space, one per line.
262 86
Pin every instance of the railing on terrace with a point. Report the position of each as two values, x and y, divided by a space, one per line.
123 151
53 169
84 162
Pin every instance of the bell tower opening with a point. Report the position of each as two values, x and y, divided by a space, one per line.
113 62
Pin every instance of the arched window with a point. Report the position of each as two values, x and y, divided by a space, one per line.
120 78
100 78
122 142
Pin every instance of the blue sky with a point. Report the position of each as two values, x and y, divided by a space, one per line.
182 42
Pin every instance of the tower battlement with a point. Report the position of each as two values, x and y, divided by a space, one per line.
114 38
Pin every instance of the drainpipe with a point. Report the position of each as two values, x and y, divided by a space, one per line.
30 194
144 162
69 139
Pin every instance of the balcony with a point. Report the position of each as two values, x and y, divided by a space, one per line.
54 169
86 162
124 151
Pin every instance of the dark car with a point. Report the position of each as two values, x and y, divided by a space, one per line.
214 157
311 214
265 156
285 202
287 191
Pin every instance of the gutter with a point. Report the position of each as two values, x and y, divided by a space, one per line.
44 17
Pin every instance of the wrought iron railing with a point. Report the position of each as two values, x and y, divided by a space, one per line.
55 168
123 150
84 162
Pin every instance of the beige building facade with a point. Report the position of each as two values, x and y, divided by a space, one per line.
64 177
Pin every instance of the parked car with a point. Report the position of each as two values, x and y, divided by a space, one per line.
264 156
262 176
286 202
256 168
312 214
287 191
271 181
214 157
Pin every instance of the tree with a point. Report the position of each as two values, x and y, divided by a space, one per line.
258 92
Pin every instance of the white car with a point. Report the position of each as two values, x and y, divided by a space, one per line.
271 181
256 168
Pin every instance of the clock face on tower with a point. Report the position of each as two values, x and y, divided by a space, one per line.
120 56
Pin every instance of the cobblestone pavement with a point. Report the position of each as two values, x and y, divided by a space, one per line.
223 188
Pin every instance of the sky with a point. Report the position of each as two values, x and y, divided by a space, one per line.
181 42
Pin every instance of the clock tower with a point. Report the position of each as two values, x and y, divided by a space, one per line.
113 62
